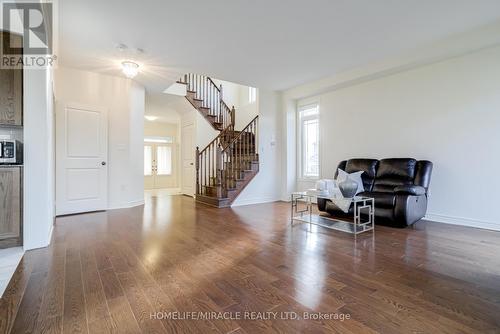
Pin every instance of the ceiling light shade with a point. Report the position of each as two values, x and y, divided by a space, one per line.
151 118
130 69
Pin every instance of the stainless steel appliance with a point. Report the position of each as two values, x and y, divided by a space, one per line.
11 152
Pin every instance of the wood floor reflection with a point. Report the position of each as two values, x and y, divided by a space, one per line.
122 271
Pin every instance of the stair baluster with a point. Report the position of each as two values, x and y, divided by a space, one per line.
226 165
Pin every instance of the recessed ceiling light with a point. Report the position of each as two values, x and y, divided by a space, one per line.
130 69
151 118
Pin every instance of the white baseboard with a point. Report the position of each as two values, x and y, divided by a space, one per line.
254 200
463 221
126 205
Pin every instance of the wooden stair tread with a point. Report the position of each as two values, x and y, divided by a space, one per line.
243 167
214 201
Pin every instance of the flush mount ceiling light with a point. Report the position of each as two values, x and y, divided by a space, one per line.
151 118
130 69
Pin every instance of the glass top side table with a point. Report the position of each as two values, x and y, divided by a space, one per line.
364 207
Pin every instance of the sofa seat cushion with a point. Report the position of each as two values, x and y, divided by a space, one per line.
382 199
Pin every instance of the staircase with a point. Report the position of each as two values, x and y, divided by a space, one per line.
230 161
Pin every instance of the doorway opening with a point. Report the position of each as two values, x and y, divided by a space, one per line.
161 147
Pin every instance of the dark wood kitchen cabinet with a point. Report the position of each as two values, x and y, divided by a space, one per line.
10 206
11 88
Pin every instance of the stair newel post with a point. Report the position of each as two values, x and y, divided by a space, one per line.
209 153
197 166
256 137
247 143
233 117
238 159
250 140
221 99
218 164
211 98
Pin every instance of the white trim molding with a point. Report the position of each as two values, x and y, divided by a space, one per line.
463 221
255 200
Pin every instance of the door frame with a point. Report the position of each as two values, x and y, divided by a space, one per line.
60 111
183 187
155 180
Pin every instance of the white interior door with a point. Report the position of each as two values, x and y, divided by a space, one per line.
163 170
188 168
158 165
81 158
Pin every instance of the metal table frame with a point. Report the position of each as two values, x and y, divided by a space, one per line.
305 215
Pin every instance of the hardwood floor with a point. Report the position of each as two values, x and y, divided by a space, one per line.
122 271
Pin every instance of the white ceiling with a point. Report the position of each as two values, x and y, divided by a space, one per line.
167 108
263 43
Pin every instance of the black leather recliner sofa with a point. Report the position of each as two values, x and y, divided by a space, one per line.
399 187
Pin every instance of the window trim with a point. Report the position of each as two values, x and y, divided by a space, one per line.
300 140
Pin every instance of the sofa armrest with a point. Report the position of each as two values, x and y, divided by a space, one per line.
409 209
410 190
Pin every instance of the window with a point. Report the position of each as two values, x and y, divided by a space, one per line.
308 130
252 94
164 160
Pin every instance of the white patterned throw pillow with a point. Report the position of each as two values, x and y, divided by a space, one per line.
356 177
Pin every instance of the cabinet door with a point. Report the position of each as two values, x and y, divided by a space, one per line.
11 91
10 207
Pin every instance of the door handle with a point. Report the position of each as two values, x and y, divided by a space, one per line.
191 163
103 163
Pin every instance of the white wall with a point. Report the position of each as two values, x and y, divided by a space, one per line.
237 95
38 209
230 92
446 112
205 133
265 187
160 129
246 111
124 100
136 146
162 106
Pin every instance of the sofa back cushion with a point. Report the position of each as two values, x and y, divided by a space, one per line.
394 172
367 166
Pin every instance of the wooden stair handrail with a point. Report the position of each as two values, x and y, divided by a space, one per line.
220 90
240 133
223 166
211 97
